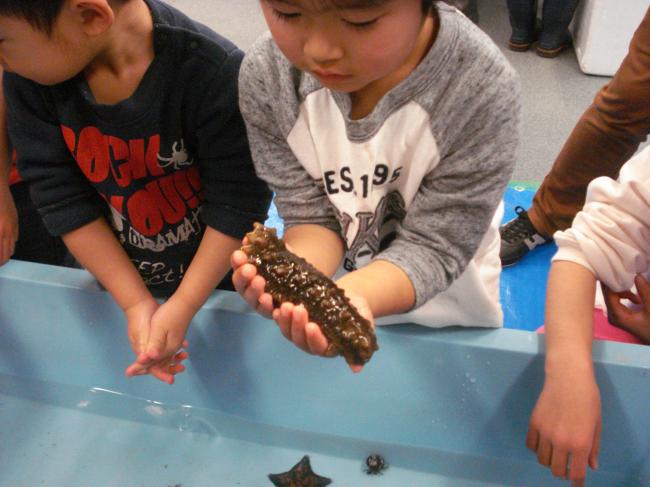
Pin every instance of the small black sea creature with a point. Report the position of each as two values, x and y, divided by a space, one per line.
375 464
301 475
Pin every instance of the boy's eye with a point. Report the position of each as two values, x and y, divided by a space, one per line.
285 15
361 25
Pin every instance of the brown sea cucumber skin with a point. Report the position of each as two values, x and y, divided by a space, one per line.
290 278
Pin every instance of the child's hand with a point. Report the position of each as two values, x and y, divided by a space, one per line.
250 285
8 225
636 321
138 322
162 356
565 426
306 335
138 319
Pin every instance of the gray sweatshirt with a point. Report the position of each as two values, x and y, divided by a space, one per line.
417 182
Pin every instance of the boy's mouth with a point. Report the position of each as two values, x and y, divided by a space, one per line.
330 76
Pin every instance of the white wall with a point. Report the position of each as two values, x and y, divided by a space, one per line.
241 21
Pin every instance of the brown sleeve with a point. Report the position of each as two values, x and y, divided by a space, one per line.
606 136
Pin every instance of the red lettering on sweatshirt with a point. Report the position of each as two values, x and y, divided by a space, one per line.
99 156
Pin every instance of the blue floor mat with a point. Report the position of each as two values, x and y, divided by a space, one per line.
523 286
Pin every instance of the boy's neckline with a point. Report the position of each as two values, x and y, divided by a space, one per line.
134 57
141 100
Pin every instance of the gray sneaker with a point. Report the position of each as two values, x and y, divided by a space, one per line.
518 237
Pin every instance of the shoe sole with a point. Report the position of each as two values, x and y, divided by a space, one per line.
551 53
513 261
513 46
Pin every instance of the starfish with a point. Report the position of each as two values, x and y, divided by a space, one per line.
301 475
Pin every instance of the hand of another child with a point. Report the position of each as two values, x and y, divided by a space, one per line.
162 355
635 321
8 225
565 426
295 326
138 319
250 285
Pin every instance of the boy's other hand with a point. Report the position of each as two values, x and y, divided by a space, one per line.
294 324
250 285
8 225
635 321
565 426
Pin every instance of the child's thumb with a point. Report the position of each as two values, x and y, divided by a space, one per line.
156 345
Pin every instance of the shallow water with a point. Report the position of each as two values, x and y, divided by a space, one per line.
55 435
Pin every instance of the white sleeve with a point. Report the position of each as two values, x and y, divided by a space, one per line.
611 235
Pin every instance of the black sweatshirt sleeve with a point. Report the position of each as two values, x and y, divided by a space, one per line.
63 196
235 197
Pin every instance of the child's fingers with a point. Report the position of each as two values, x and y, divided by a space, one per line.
136 369
643 288
628 295
298 323
316 341
532 438
544 452
176 369
265 305
282 317
180 356
242 277
616 310
558 463
136 373
595 447
238 259
577 468
157 346
159 373
144 359
254 291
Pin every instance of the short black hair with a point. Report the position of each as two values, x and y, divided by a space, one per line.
41 14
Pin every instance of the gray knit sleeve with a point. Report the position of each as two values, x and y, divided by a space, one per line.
477 124
269 102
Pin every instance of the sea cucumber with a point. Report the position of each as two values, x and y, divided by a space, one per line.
290 278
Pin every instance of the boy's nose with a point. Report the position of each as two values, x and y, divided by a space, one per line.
320 49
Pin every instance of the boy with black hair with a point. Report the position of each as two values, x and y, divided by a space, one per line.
124 115
387 130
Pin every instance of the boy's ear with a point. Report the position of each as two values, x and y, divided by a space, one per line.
94 16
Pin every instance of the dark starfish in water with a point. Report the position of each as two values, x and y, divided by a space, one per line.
301 475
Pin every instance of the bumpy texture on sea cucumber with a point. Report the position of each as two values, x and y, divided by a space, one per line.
290 278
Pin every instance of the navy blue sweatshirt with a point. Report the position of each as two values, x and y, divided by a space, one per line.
159 166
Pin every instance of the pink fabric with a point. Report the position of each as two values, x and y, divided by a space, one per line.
604 330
